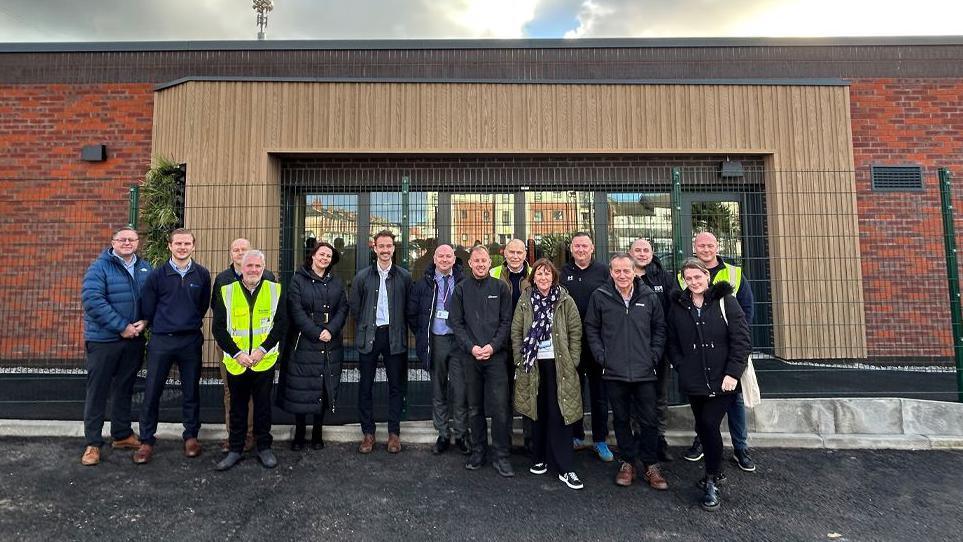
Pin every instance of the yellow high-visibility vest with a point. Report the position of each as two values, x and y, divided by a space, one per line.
730 273
249 328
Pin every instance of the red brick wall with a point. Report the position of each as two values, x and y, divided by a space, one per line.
900 122
59 211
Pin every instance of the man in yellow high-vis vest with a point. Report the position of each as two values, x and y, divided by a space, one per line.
705 246
249 322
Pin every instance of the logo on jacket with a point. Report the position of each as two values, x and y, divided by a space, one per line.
570 278
657 288
493 297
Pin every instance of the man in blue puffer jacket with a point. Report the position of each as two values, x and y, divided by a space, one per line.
113 340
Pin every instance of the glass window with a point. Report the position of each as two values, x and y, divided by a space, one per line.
634 215
474 224
537 216
570 211
416 233
332 218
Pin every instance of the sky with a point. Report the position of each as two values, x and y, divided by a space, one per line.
155 20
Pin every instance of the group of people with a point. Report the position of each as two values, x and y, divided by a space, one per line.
523 337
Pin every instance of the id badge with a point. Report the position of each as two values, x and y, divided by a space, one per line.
442 315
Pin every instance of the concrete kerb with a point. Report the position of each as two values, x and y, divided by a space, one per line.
899 424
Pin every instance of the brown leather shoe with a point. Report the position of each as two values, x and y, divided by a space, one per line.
367 444
192 448
91 456
248 442
143 454
394 443
625 475
654 476
129 443
225 446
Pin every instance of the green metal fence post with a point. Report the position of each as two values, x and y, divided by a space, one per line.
678 254
405 234
952 276
133 207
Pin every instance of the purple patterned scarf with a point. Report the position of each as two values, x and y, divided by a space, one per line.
541 324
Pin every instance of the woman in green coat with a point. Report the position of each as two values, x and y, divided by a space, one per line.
547 343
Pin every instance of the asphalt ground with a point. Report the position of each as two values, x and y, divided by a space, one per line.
338 494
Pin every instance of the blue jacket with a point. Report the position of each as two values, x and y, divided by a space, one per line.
175 305
421 310
111 297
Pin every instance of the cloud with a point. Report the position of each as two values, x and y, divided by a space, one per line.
122 20
705 18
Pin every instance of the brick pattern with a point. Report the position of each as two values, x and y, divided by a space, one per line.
59 211
898 122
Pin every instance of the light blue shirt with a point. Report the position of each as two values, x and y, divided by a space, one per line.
381 317
128 266
181 272
439 326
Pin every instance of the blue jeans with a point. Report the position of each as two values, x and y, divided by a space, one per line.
738 426
162 352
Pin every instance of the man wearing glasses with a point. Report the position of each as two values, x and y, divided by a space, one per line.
113 341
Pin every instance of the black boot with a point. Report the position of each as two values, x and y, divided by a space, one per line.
317 443
710 499
300 428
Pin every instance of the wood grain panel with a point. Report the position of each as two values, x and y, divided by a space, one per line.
228 133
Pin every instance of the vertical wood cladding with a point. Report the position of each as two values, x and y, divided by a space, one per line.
230 134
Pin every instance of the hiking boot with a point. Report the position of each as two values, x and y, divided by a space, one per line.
91 456
625 475
654 477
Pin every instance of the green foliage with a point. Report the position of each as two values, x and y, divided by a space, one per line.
158 208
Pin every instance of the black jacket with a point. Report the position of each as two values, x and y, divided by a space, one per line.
626 341
223 336
173 304
481 313
312 368
581 283
661 281
363 302
702 347
421 309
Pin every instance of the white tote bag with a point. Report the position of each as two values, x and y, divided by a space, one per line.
751 395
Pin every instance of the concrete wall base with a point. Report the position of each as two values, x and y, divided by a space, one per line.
900 424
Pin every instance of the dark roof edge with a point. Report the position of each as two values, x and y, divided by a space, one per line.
585 43
828 82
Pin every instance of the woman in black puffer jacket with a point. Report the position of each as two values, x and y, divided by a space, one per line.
317 308
709 346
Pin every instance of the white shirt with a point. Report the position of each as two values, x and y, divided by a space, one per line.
381 317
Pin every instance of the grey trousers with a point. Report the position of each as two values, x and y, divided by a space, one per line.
449 399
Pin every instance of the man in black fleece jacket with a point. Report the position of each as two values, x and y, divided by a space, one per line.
174 300
481 320
581 277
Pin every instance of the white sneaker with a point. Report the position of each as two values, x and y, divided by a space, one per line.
571 480
539 468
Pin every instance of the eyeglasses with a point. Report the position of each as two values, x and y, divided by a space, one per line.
123 240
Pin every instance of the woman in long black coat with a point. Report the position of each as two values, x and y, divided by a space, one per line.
317 310
709 346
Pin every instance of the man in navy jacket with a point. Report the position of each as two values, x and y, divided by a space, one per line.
175 298
113 340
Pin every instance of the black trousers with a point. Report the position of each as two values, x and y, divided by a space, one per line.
117 363
708 413
551 438
395 370
487 383
163 351
591 372
662 394
634 401
256 386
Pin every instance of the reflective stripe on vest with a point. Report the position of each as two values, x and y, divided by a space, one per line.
733 271
247 329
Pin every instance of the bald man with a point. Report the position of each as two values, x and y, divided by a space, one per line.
231 275
705 246
428 306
